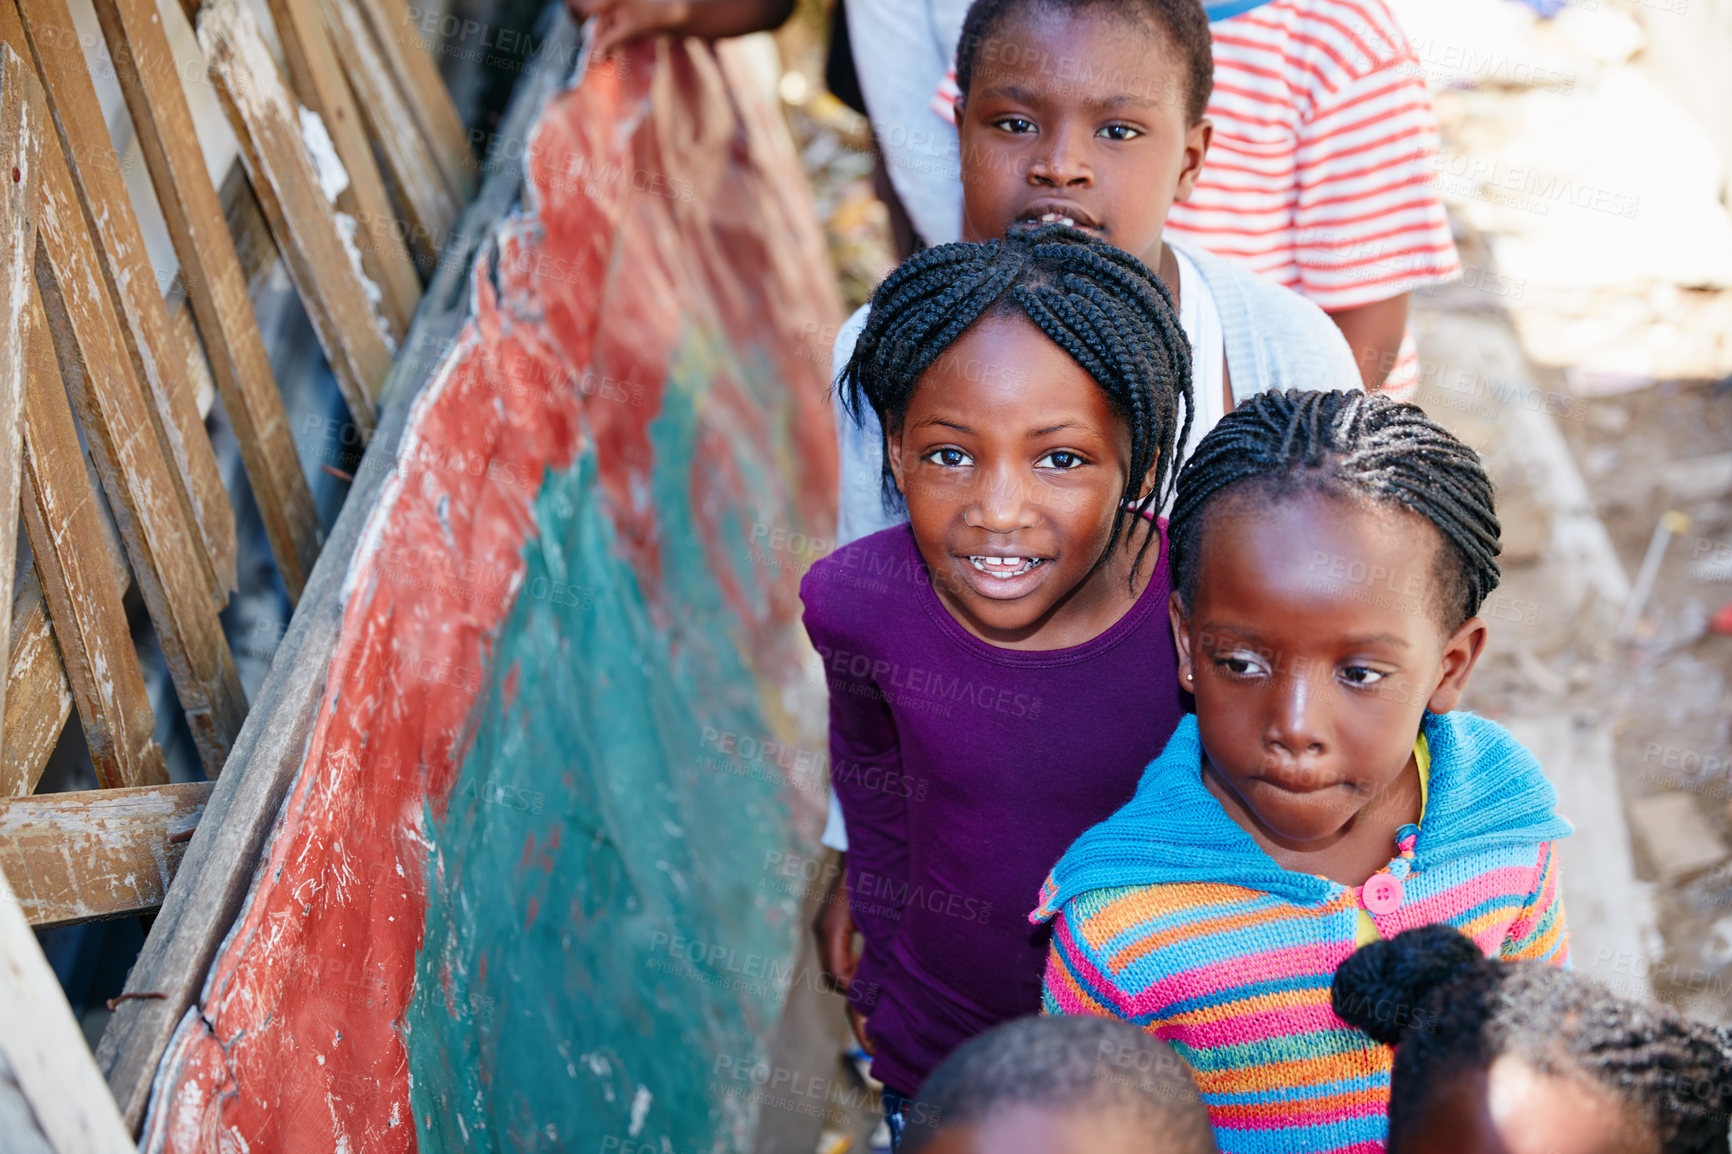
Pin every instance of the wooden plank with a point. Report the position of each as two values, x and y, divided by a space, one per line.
267 123
150 82
417 78
21 128
113 410
158 355
214 877
38 697
44 1048
97 854
318 82
61 517
428 203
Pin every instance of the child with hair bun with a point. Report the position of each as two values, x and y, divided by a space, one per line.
1527 1057
1330 552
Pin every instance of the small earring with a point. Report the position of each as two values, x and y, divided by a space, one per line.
1188 677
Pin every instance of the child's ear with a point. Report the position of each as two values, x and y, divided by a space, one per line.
1148 482
893 446
1460 652
1182 641
1197 139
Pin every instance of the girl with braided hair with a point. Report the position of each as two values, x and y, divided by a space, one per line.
1526 1057
999 667
1330 554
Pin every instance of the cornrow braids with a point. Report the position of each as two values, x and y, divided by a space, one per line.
1448 1010
1351 445
1184 23
1096 302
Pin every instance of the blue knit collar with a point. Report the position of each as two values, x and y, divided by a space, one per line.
1486 791
1226 9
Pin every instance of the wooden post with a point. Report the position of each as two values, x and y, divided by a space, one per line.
267 123
83 598
21 115
150 82
318 82
417 78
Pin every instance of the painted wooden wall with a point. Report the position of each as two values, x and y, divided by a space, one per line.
514 899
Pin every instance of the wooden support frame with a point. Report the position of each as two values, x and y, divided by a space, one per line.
214 877
161 544
215 284
106 853
417 78
159 356
266 122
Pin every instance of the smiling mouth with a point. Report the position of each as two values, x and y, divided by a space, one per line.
1055 217
1004 568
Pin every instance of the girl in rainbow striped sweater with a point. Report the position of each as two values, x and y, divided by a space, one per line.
1330 552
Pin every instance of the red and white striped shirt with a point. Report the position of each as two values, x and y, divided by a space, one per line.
1319 176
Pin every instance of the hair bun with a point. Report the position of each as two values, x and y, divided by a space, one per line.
1382 986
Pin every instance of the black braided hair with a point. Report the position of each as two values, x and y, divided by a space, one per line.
1068 1065
1449 1011
1352 445
1184 23
1097 303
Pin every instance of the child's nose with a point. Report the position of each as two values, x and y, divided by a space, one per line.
1296 724
1001 504
1062 163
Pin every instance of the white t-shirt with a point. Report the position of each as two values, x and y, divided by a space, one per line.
861 506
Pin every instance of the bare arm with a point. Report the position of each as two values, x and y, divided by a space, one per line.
619 22
1374 334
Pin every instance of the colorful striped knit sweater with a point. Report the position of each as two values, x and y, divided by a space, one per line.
1168 915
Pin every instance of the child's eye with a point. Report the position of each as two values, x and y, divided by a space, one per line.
1119 132
948 457
1239 665
1014 124
1360 675
1062 459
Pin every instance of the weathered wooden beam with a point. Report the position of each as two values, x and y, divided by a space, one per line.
72 559
428 202
150 82
266 121
214 877
417 78
38 698
159 356
21 128
44 1049
102 853
318 82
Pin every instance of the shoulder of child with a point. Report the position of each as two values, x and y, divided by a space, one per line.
864 580
1275 338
